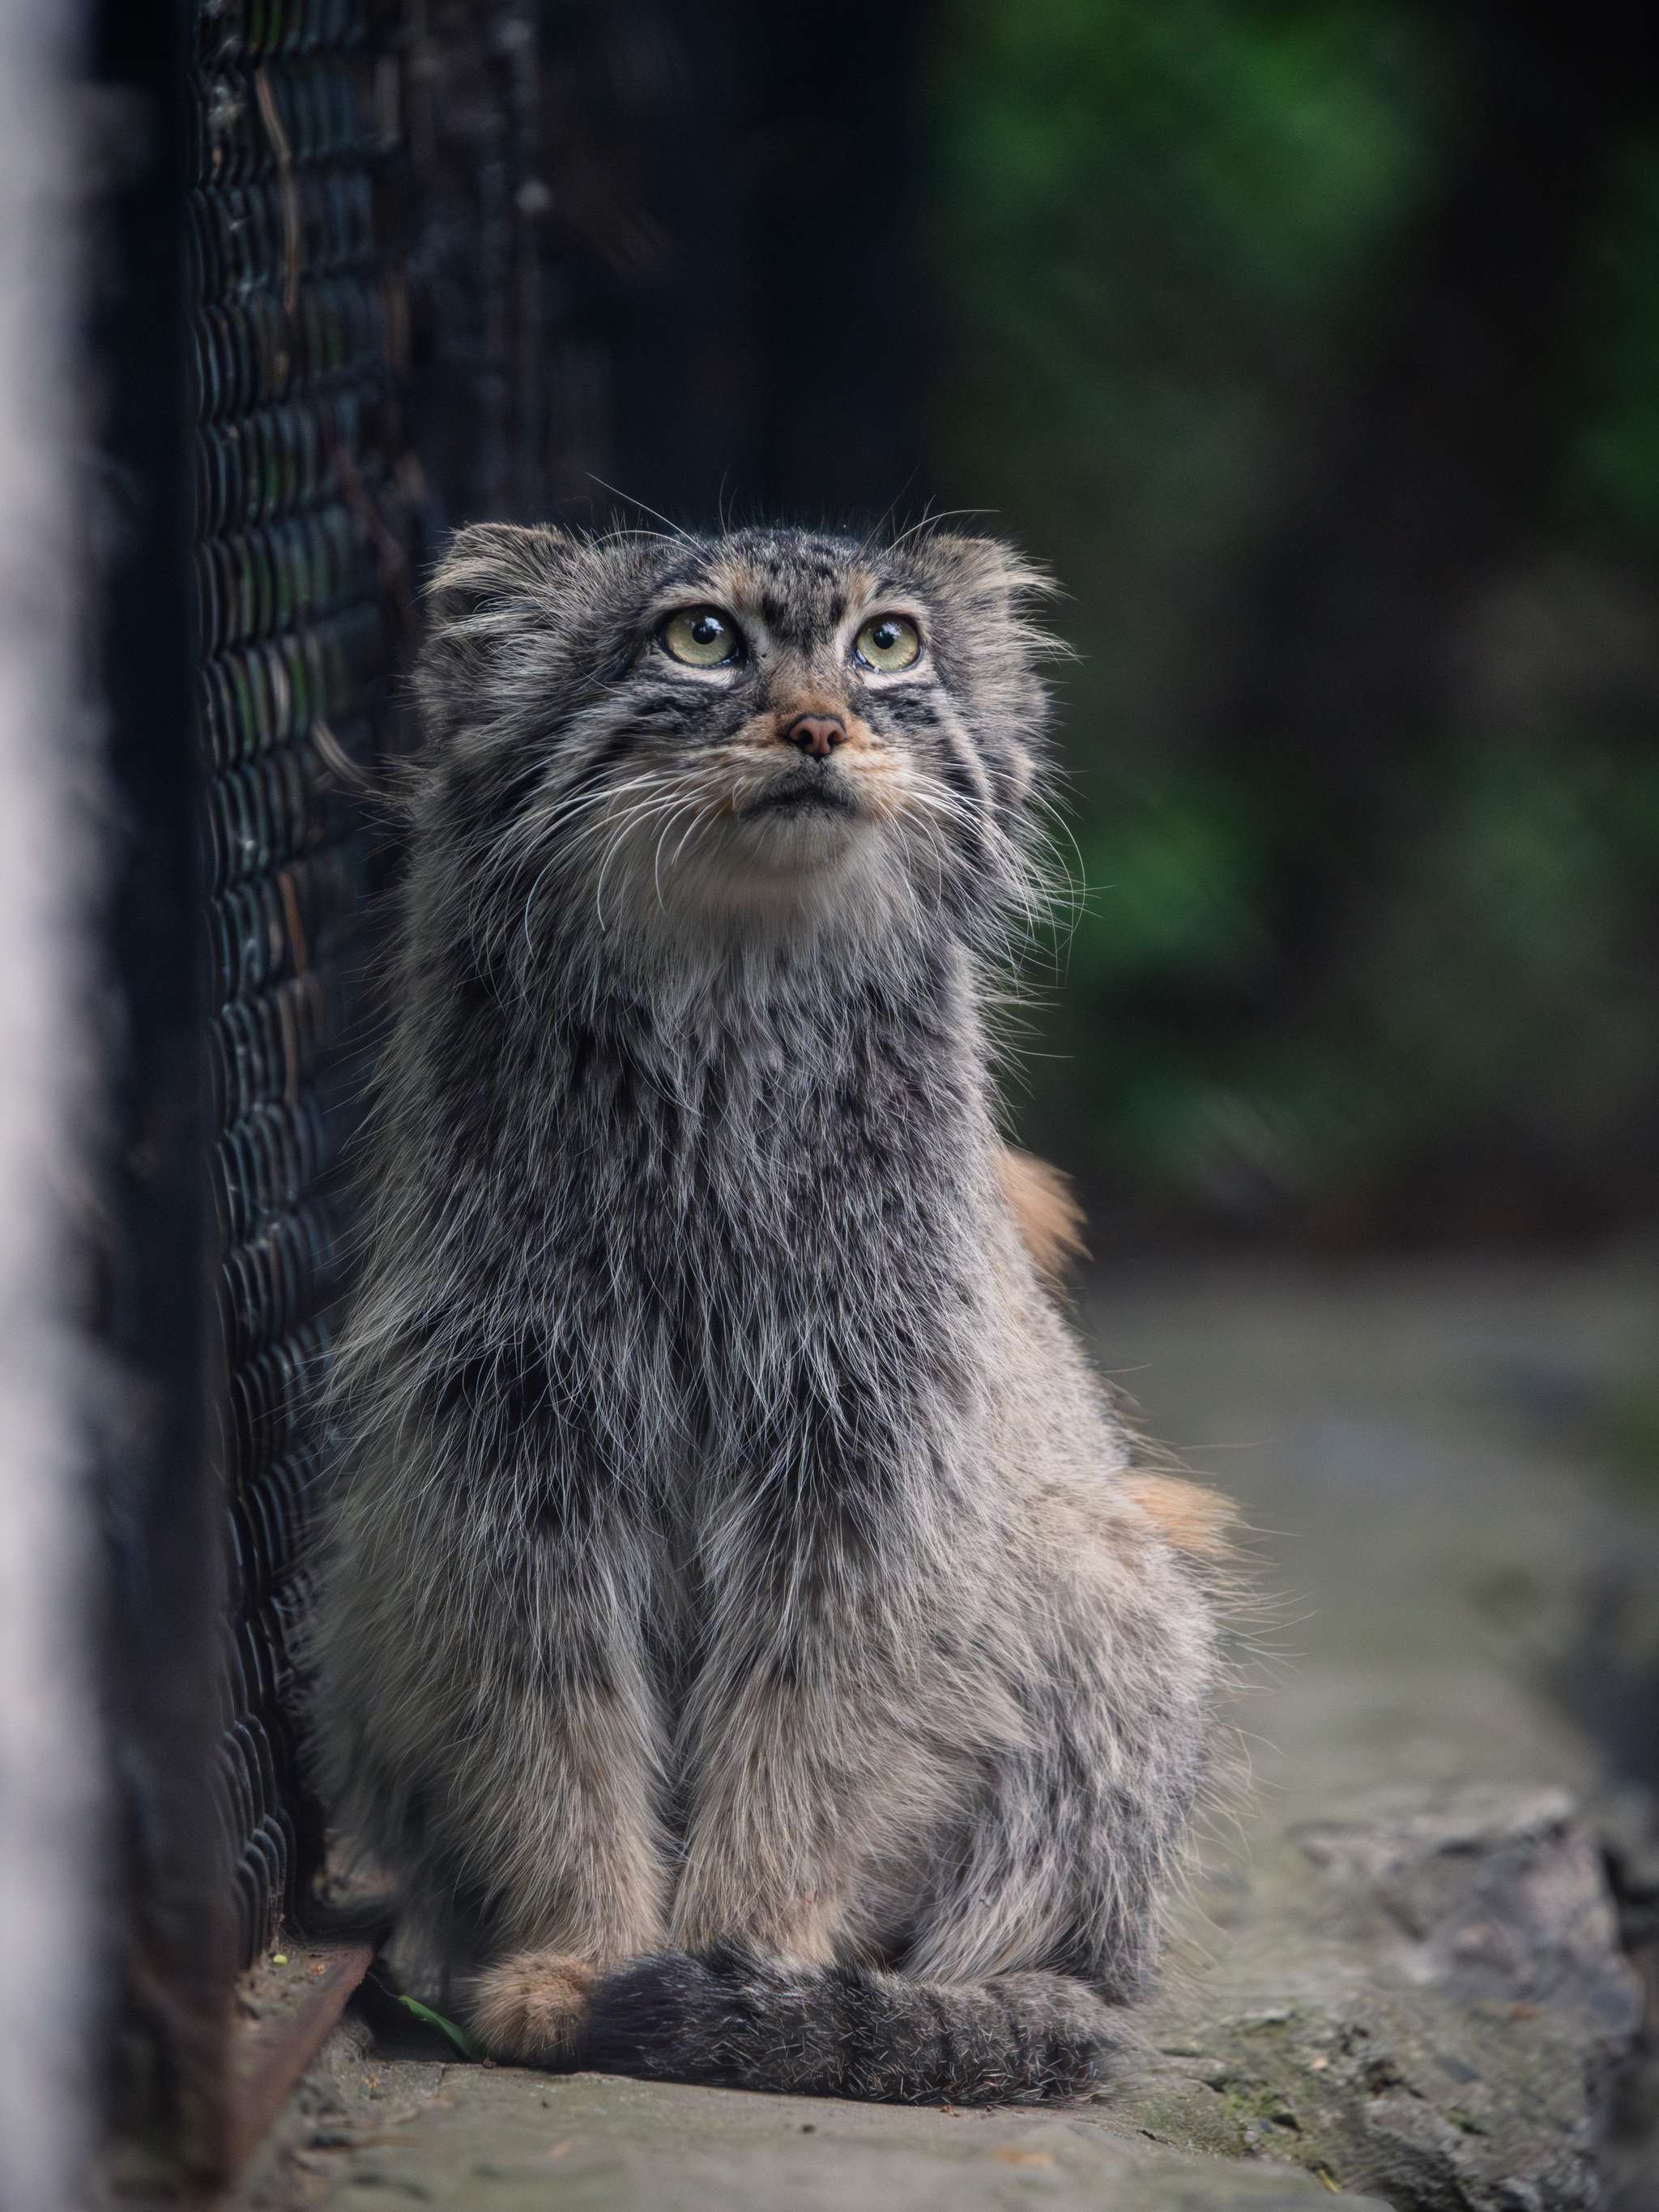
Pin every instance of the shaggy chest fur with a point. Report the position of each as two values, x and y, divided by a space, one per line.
723 1249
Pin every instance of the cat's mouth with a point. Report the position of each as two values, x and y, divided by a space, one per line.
809 790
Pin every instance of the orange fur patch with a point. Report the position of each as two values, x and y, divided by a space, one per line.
1045 1214
1194 1520
532 2006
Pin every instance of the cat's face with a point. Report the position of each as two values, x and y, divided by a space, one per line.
770 726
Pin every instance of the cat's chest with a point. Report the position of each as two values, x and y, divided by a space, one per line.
748 1127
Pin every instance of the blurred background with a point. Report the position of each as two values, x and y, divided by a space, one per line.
1317 347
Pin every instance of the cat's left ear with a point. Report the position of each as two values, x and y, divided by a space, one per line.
989 576
983 594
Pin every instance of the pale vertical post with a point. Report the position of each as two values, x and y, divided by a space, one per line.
49 1729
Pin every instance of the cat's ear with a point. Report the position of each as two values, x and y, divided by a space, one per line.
490 561
984 594
986 572
495 582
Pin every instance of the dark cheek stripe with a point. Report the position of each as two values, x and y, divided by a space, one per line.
915 712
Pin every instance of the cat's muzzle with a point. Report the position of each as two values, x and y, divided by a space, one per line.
810 789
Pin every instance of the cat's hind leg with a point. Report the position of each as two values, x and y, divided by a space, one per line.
1061 1864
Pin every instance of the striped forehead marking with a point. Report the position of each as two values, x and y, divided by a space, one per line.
801 601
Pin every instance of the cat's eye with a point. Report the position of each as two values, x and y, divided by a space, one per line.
888 642
702 636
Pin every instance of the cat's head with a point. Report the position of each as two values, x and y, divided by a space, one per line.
756 733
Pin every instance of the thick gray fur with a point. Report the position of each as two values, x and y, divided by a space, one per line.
742 1635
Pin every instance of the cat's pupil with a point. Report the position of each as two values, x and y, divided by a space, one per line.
887 636
707 629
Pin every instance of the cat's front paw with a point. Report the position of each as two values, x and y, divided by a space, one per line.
531 2008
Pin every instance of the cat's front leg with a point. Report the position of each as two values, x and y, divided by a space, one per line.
529 2006
777 1833
591 1882
808 1770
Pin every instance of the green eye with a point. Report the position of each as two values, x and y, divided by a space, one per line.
889 642
703 636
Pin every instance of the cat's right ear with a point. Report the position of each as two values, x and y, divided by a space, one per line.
490 563
495 582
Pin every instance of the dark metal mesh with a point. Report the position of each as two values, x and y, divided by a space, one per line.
298 325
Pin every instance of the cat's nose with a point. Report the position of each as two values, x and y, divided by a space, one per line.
816 734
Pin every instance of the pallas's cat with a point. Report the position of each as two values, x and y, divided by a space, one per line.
745 1637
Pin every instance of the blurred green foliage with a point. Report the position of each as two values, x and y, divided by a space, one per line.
1612 462
1625 1438
1168 242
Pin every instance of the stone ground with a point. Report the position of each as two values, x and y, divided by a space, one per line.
1398 1975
